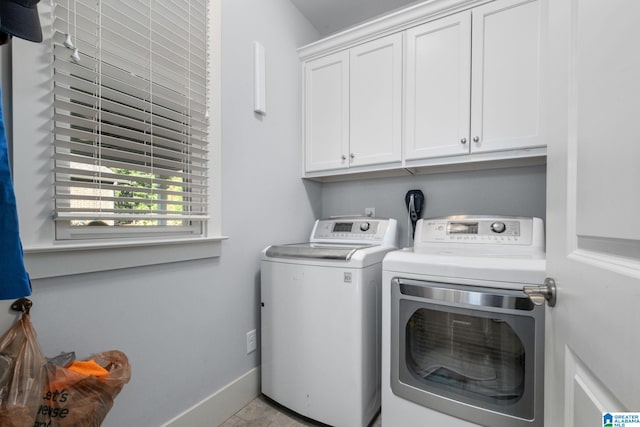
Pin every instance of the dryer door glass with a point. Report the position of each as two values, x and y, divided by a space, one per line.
479 358
450 355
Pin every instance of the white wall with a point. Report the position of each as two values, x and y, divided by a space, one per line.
183 325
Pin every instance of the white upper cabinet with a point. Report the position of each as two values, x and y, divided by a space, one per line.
352 99
505 95
326 112
376 102
438 93
440 83
474 91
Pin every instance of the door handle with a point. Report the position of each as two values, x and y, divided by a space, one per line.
541 293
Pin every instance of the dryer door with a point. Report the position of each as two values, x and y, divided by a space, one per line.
472 352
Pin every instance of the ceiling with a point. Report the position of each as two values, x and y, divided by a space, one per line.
330 16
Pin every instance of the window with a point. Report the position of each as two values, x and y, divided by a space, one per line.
130 125
117 163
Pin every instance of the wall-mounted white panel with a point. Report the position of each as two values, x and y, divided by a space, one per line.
259 79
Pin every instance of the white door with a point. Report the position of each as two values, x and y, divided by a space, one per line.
375 102
592 125
326 112
505 97
438 80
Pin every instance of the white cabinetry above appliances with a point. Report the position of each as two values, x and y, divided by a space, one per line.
352 105
441 83
438 76
472 82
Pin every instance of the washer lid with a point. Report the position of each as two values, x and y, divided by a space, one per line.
315 251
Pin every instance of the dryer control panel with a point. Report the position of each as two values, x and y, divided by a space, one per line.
479 230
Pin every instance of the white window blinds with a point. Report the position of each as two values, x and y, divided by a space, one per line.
130 116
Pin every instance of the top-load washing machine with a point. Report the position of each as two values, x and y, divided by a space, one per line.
320 328
463 328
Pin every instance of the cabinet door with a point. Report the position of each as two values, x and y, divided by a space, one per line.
326 112
437 100
375 102
505 83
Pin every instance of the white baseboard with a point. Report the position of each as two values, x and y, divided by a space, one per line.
215 409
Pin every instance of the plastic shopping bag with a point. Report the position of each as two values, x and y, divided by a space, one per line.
36 392
21 377
70 398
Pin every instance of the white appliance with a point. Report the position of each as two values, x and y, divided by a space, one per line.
462 342
320 315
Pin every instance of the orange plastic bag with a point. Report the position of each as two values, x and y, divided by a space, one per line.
73 399
36 393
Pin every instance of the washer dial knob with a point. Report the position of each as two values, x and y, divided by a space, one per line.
498 227
364 226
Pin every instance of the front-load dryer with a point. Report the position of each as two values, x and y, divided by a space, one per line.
320 320
462 342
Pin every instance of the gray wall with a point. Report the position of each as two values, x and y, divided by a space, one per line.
183 325
511 191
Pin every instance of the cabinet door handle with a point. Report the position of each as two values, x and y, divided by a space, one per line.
463 141
353 156
476 139
344 157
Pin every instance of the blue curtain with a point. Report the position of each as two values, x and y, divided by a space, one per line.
14 280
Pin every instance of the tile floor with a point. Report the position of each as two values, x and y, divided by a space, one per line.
263 412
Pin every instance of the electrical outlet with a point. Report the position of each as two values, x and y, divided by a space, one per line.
251 341
370 211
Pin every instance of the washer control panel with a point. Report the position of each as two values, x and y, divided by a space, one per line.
354 229
345 229
500 230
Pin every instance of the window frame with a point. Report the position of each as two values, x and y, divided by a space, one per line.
31 87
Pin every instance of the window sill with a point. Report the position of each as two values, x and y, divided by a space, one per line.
64 259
